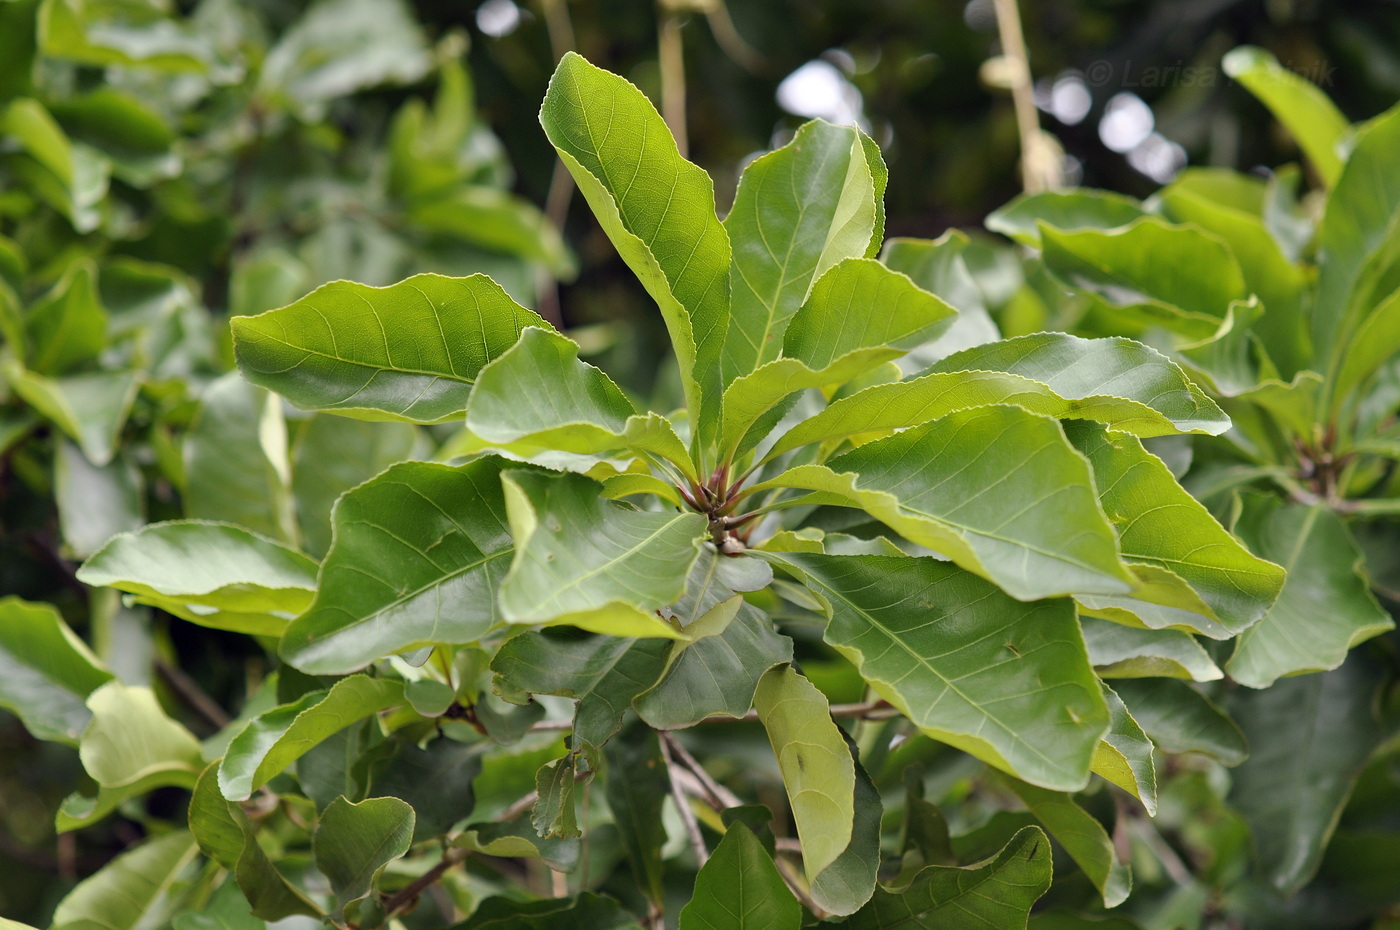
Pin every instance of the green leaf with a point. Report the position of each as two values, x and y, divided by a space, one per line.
602 673
94 504
554 814
798 211
353 842
213 574
859 314
997 893
91 409
1326 605
1082 836
46 671
130 890
1186 558
275 739
499 221
1178 277
70 176
996 489
638 785
1307 113
517 839
406 545
938 266
1179 718
436 781
739 888
1119 651
1068 210
132 134
1124 755
1309 738
129 747
67 327
1005 681
342 46
1376 342
126 33
237 463
409 351
833 803
592 563
657 208
226 835
226 909
587 911
1233 361
330 456
1359 220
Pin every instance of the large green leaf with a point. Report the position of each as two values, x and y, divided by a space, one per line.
46 671
353 842
129 747
997 489
657 208
1185 558
1326 605
797 212
996 893
213 574
1008 682
590 562
226 835
739 888
1074 209
1119 651
409 351
330 456
416 558
1178 277
129 892
236 460
67 326
1359 218
1314 122
823 786
1179 718
274 740
1083 837
858 315
1309 737
603 673
90 408
1124 756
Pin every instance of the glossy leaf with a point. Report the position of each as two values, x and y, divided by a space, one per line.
1119 651
1083 838
1179 718
996 489
130 890
129 747
237 463
1068 210
274 740
1173 542
46 671
1300 105
416 558
1308 740
938 266
1005 681
91 409
1124 755
798 211
996 893
592 563
213 574
410 351
1326 605
739 888
657 208
353 842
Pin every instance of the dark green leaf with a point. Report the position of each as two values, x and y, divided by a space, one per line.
554 814
353 842
1124 755
67 326
1179 718
586 912
638 784
46 671
1083 837
436 781
1119 651
739 888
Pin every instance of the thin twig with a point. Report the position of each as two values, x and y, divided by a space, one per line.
407 895
192 694
1039 169
692 826
795 885
722 796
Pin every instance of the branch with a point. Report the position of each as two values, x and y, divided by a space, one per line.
407 895
192 694
1039 162
692 826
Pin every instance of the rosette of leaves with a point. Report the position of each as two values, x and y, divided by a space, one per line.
1286 308
973 527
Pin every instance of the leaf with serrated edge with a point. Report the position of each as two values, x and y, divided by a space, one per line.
409 351
657 208
593 563
1083 837
1007 682
739 888
1119 651
996 489
1124 755
274 740
417 555
46 671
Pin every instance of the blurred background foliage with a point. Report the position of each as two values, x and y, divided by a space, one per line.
164 166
